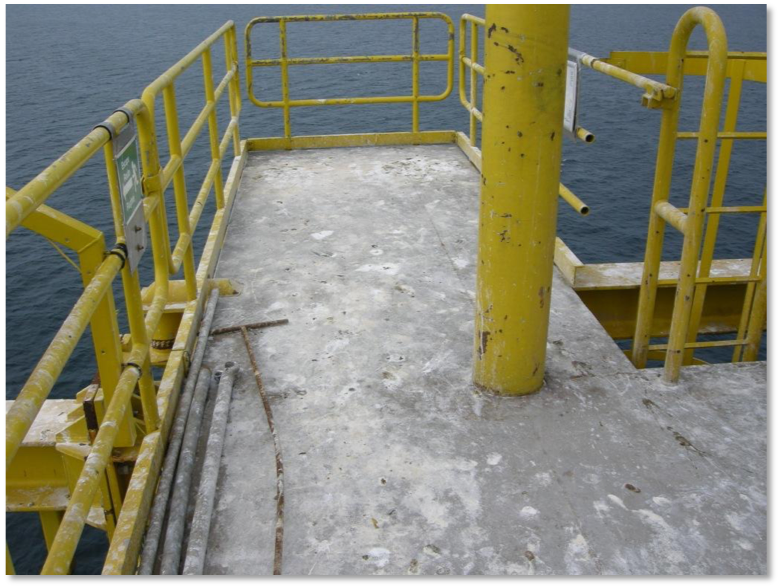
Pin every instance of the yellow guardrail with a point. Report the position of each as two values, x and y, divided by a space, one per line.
472 64
285 62
698 248
120 375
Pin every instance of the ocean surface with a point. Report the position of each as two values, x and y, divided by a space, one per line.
69 67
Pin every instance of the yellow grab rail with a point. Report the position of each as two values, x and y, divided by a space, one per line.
134 370
657 93
697 251
286 62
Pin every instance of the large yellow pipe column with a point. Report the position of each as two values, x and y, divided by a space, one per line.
526 50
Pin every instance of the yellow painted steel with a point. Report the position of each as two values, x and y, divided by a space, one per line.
30 399
573 201
474 67
698 248
9 563
351 140
88 243
695 63
470 149
119 379
757 317
285 62
26 200
131 286
717 197
672 215
522 145
657 94
715 80
748 136
584 135
760 243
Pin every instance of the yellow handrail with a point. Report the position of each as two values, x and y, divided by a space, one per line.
285 62
23 206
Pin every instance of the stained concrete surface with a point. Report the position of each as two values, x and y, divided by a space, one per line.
394 462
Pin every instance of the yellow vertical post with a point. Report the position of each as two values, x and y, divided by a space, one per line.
180 187
284 76
474 80
234 87
133 305
213 128
415 74
50 523
749 295
666 150
526 49
757 316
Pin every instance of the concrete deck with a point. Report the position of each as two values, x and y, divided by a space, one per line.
394 462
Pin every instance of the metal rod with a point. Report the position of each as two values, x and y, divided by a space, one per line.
672 215
584 135
279 541
204 505
267 324
573 201
657 89
164 486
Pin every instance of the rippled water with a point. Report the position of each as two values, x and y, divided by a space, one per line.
69 67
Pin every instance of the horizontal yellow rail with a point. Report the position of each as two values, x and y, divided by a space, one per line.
285 62
658 92
734 135
37 191
752 66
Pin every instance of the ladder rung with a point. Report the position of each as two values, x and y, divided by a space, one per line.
732 210
737 135
723 280
701 345
729 279
736 210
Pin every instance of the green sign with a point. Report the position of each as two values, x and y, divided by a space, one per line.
128 168
127 162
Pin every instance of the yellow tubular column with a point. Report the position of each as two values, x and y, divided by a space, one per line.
526 48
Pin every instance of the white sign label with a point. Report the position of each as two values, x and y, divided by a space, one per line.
571 97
